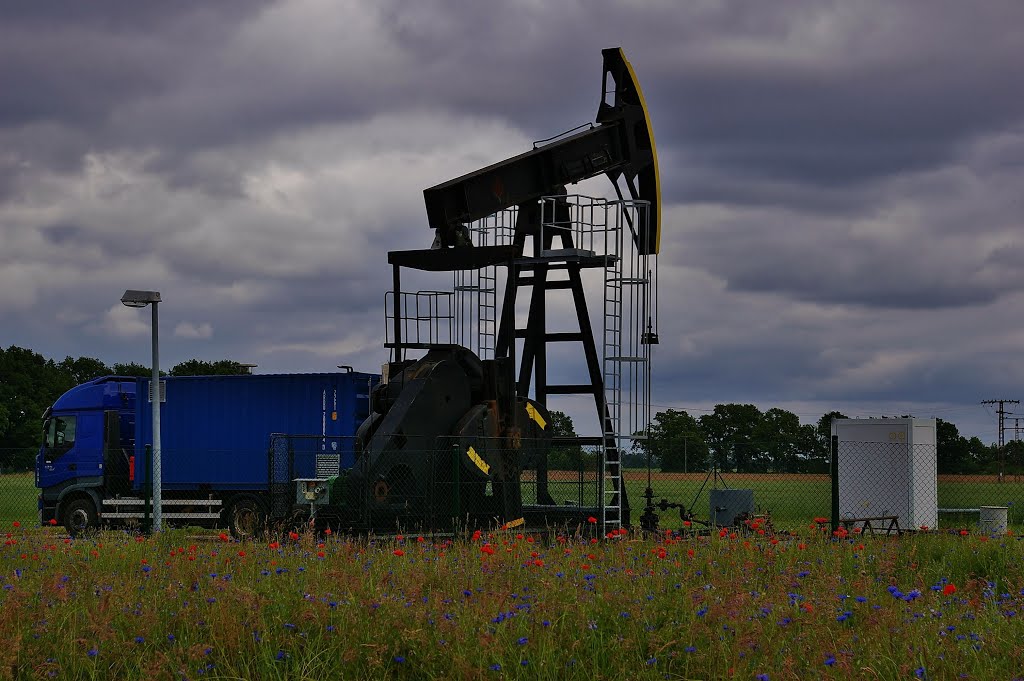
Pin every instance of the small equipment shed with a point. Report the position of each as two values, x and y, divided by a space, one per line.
887 467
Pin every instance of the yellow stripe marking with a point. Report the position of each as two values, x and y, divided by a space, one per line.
532 412
515 523
480 463
654 150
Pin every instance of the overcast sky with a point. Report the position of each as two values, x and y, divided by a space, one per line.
843 182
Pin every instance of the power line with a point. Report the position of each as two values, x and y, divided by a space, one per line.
1002 416
1002 425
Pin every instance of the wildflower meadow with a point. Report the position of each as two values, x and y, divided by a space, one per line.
736 604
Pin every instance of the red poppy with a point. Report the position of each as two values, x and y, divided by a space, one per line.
399 552
592 520
948 590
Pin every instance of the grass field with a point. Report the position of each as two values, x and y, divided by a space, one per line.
18 496
505 605
792 500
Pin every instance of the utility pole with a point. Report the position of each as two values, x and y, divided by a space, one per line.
1002 440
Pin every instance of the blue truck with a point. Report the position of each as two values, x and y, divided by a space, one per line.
231 447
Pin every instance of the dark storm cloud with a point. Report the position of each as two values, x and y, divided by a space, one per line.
77 62
873 272
842 180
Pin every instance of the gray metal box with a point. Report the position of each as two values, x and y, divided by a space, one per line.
726 504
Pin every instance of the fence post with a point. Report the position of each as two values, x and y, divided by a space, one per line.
147 492
834 474
456 501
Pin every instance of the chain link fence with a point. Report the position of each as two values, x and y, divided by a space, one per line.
869 487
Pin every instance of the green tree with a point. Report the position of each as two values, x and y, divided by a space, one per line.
1014 453
983 456
198 367
674 443
953 451
563 457
133 369
83 369
730 433
29 383
823 433
783 444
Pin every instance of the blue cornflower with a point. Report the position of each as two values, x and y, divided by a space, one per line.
523 641
93 652
524 662
652 660
139 639
170 637
280 655
861 599
690 649
919 672
703 611
495 667
399 659
546 623
761 677
830 660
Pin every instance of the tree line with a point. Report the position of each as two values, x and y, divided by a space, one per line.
742 438
29 383
732 437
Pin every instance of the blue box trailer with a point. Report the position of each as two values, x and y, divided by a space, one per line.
218 436
216 430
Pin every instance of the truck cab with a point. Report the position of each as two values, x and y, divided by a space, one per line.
88 439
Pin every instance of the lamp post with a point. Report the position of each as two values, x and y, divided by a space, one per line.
132 298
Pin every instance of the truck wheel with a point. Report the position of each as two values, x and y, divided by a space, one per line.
79 516
246 518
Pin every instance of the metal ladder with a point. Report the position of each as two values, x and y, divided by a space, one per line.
611 506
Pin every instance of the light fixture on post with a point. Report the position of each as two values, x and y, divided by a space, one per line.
132 298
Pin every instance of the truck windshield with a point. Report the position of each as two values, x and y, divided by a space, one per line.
58 435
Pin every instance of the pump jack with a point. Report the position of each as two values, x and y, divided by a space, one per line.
451 433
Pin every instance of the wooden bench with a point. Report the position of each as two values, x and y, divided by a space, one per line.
873 524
